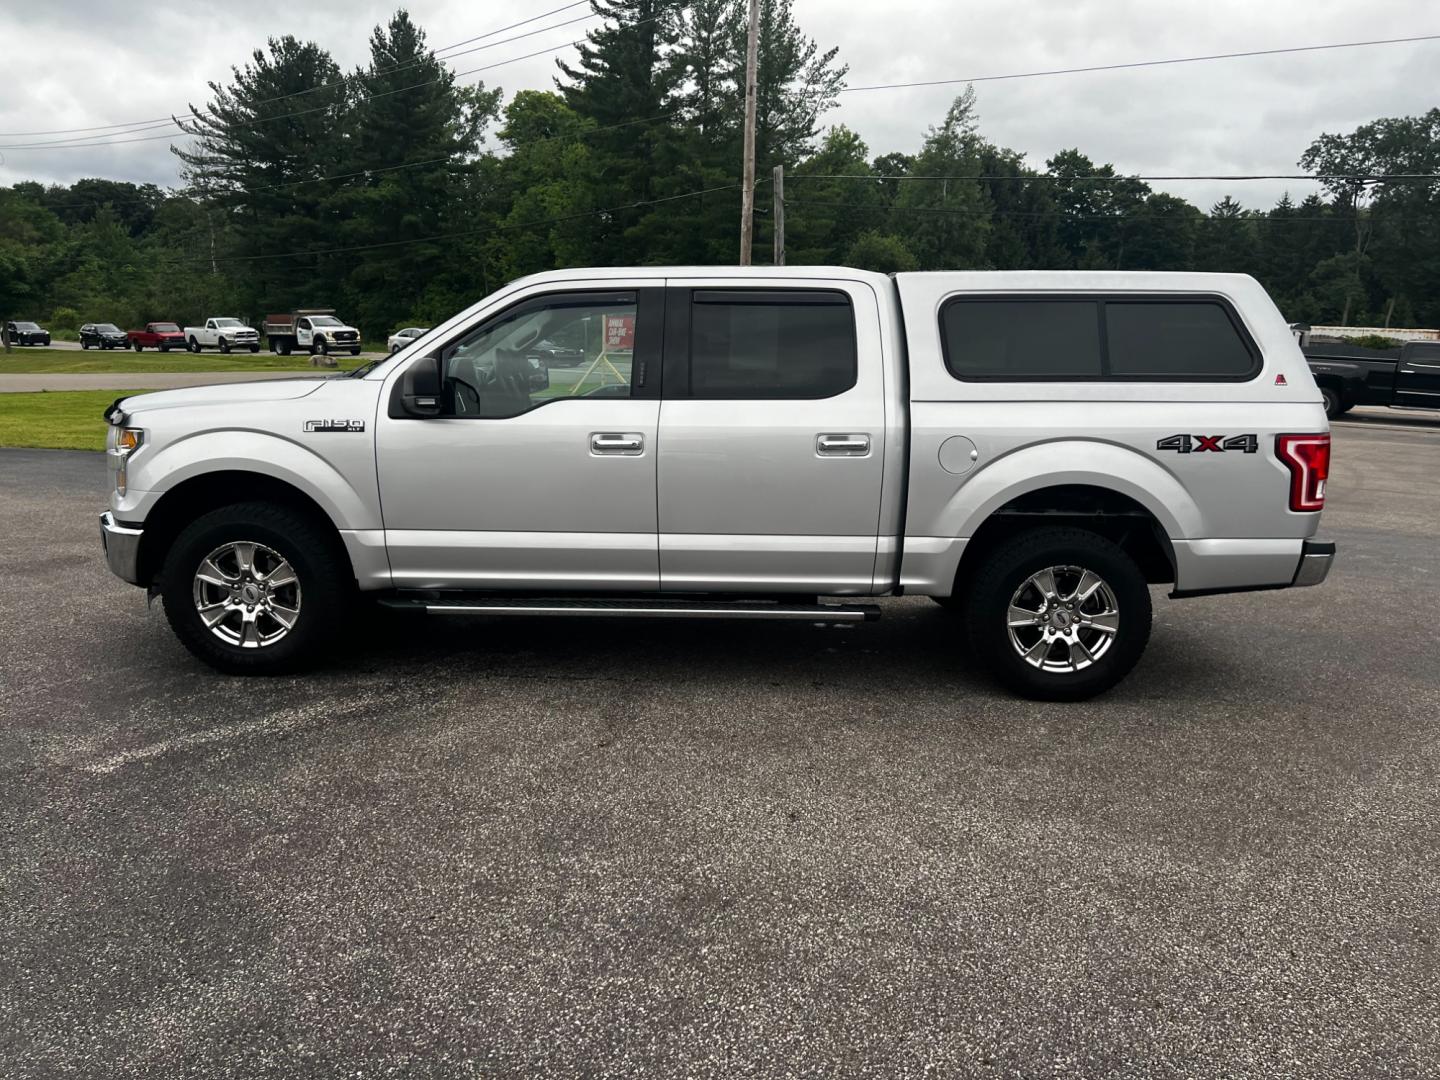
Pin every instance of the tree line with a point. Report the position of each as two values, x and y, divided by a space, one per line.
399 194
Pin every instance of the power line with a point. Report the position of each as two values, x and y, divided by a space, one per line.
1056 213
81 143
1053 178
1143 63
585 134
139 124
205 260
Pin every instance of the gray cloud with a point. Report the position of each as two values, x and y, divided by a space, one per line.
86 62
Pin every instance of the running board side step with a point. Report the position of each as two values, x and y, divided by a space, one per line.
648 609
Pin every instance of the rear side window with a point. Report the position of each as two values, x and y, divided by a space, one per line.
771 344
1125 338
1192 339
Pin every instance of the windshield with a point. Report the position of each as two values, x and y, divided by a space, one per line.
106 328
26 326
165 328
228 322
325 320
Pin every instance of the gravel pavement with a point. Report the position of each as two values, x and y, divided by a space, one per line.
596 848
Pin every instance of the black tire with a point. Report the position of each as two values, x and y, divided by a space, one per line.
225 346
283 346
84 344
953 602
355 351
138 346
1331 398
323 573
192 346
254 348
1007 570
320 347
164 348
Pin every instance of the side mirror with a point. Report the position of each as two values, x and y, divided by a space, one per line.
420 388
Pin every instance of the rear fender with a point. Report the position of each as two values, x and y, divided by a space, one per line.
1089 462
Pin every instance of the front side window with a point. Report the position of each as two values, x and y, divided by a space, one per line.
787 344
502 369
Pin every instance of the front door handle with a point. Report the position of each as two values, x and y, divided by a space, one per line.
848 445
626 443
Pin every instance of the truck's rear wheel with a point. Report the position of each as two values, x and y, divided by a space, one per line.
1059 614
138 346
283 346
192 345
254 589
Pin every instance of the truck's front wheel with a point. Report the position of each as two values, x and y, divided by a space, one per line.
254 589
1059 614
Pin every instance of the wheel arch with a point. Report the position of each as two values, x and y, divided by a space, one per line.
198 495
1118 517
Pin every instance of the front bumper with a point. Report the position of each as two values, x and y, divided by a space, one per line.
122 548
1316 558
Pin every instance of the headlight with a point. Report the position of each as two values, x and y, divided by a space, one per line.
127 441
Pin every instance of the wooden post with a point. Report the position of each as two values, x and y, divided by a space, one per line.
779 184
747 183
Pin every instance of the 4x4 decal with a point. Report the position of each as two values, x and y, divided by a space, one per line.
1215 444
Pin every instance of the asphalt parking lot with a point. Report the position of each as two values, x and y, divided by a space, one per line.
593 848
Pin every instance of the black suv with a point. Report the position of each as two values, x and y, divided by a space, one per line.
102 335
26 333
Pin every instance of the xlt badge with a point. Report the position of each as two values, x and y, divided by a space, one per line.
334 425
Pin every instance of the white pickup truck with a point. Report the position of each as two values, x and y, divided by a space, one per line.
1032 450
223 334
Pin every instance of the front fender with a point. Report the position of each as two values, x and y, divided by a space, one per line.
349 504
1089 462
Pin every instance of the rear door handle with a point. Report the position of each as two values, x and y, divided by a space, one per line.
847 445
625 443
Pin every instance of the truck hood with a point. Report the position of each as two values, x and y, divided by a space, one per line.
239 393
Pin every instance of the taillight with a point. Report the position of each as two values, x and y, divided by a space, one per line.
1308 459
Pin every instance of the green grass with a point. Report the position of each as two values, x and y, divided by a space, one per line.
70 420
68 362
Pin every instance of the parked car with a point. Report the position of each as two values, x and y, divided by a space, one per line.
557 355
156 335
20 332
1032 450
223 334
401 338
314 330
1347 375
102 336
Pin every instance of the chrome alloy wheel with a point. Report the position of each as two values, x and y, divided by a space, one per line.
1063 619
247 594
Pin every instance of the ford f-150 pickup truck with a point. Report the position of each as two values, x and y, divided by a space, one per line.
1348 375
1034 450
223 334
156 335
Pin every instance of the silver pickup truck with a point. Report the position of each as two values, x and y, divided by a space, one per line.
1032 449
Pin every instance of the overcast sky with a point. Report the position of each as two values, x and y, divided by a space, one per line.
77 63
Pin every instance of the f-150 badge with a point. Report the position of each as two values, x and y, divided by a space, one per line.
1215 444
334 425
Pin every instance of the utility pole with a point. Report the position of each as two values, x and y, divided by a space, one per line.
747 184
778 182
